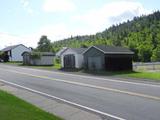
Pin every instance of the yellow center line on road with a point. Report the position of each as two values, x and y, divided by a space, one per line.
89 85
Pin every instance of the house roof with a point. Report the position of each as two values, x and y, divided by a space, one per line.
11 47
112 49
79 50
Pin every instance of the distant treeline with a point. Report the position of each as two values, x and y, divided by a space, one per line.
141 35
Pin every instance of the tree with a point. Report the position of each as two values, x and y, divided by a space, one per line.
84 46
141 35
156 54
44 45
145 53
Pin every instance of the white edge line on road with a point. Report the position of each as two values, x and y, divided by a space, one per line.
83 76
63 100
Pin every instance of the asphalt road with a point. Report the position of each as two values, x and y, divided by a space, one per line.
125 99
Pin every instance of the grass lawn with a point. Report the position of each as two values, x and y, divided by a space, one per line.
145 75
131 74
56 66
14 63
13 108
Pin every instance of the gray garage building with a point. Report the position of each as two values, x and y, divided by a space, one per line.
108 58
38 58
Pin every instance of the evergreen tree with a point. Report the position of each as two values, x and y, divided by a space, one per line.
141 35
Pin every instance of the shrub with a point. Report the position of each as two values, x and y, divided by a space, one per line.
57 60
35 55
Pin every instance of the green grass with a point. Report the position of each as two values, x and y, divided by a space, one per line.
14 63
56 66
41 67
13 108
145 75
131 74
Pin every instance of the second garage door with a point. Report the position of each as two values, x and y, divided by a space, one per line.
94 63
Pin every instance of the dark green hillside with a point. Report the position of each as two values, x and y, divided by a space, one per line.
142 35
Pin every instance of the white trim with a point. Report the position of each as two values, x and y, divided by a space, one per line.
86 50
59 53
63 54
95 48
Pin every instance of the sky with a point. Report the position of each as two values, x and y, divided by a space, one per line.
25 21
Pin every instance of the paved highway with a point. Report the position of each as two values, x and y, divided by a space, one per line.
124 99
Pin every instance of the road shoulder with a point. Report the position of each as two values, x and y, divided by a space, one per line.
58 108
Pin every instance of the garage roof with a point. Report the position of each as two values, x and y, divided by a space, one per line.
41 53
111 49
79 50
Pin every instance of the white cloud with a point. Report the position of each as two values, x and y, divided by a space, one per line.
58 6
54 32
61 31
109 14
90 22
26 6
9 39
95 20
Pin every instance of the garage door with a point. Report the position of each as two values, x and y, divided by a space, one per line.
94 63
69 61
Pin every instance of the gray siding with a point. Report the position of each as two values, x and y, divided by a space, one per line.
44 60
94 58
26 59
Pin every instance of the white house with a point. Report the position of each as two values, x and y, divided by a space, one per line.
15 52
72 58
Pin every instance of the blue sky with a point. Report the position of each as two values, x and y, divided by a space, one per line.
24 21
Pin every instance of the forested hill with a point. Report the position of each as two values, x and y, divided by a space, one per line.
141 35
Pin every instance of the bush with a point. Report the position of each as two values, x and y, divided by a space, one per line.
35 55
57 60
